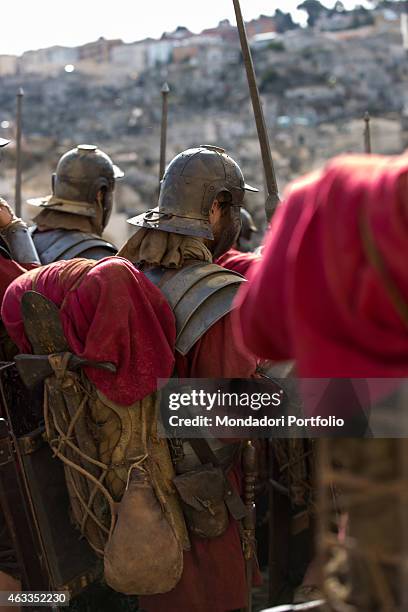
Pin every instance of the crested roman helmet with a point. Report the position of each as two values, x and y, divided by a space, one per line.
80 174
191 183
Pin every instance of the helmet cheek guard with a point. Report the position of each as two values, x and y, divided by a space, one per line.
106 186
100 184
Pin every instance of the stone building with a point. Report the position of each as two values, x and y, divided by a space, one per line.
8 65
98 51
48 61
133 56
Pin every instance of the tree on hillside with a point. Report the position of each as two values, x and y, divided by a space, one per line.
314 10
339 8
284 21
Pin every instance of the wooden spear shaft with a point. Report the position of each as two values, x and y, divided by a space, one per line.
269 170
367 133
17 196
163 136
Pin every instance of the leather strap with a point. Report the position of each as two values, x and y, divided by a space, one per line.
203 451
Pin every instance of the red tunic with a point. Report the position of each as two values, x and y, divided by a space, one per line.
237 261
9 270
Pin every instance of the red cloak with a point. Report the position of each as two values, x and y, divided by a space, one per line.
110 312
316 295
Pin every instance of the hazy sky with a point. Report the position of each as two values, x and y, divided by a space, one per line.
34 24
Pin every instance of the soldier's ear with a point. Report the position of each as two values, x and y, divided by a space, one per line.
215 206
215 211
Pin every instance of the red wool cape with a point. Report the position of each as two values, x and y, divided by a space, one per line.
316 296
109 312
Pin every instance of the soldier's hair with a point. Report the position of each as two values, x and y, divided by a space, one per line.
224 199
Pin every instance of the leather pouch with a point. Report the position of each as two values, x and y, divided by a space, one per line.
202 493
143 555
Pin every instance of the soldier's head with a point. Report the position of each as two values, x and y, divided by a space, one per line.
201 196
248 228
83 185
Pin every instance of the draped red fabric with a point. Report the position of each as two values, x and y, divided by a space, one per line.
237 261
109 312
315 296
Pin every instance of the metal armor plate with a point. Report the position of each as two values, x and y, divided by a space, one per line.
57 244
199 294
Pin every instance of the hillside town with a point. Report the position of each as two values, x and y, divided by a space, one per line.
316 84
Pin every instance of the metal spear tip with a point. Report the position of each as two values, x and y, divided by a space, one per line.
165 88
20 92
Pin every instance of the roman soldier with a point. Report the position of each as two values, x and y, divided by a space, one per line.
196 221
74 216
197 218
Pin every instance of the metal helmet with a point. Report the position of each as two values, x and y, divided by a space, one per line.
80 174
248 226
191 183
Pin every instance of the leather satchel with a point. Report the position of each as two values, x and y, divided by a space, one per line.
202 493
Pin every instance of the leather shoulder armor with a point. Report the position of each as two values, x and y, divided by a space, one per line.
54 245
199 295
